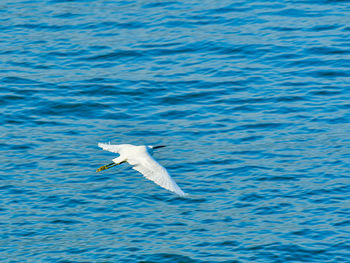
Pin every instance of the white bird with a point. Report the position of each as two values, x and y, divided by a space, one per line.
141 160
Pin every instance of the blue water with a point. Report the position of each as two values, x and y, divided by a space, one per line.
250 97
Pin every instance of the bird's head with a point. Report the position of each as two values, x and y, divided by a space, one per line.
151 147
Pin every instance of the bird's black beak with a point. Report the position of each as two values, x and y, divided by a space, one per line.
157 147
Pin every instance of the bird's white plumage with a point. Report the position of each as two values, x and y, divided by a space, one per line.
110 147
143 162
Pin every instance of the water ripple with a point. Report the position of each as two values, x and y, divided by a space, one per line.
249 97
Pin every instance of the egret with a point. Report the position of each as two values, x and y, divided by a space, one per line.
141 160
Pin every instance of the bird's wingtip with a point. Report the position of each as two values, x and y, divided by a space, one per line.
181 194
101 144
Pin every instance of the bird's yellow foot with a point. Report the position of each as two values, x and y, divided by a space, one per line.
101 168
107 166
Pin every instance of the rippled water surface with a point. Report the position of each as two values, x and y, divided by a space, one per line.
250 97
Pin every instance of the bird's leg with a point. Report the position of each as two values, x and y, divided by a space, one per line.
104 167
107 166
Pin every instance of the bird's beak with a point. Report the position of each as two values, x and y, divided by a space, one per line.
105 167
157 147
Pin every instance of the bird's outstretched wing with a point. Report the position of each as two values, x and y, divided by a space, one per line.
157 173
110 147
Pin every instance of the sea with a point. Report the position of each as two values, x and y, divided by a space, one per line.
251 99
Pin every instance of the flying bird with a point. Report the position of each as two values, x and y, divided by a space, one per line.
141 160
